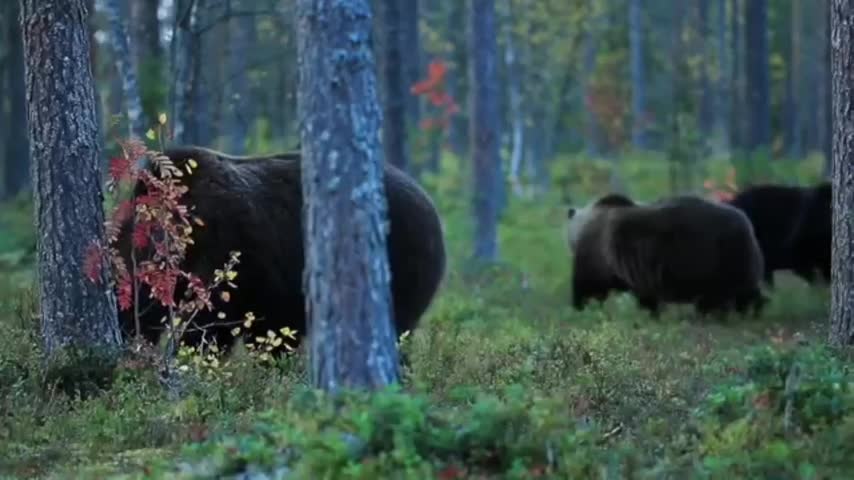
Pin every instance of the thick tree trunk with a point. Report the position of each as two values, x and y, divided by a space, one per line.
758 74
17 174
126 68
637 74
76 313
347 276
842 273
394 89
484 128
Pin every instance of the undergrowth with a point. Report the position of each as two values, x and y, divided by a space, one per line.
504 380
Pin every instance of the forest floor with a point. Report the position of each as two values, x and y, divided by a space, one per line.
505 381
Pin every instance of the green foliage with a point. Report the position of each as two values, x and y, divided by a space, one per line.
503 378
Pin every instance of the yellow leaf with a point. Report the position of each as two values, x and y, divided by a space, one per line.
193 163
235 331
176 321
162 119
231 275
225 296
150 134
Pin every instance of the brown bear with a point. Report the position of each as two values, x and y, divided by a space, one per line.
254 205
682 249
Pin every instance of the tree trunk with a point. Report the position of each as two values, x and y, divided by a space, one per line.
758 74
637 74
517 115
145 34
410 36
126 68
76 313
241 113
842 273
737 130
17 174
796 142
347 276
827 98
722 112
484 128
186 56
394 90
706 120
592 132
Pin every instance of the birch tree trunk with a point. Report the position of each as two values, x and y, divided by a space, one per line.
126 68
484 127
842 266
76 313
347 277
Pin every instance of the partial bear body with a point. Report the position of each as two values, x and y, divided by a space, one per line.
792 225
683 249
254 205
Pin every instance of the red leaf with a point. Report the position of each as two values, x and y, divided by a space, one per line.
120 168
142 234
93 262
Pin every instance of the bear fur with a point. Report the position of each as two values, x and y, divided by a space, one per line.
254 205
682 249
792 225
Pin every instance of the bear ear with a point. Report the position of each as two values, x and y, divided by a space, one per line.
570 212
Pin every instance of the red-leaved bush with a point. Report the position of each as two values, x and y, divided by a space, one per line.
434 88
162 227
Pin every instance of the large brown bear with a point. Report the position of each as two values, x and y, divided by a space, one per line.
254 205
793 226
682 249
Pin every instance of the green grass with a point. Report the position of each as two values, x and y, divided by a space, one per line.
505 381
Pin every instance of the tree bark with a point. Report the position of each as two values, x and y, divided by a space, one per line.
394 97
17 174
410 36
842 270
484 128
758 74
76 313
186 59
347 275
126 68
148 53
241 113
637 74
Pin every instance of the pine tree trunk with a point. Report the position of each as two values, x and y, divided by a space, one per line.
842 273
76 313
347 276
148 52
484 128
186 57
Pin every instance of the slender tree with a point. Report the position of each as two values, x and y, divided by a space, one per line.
77 314
394 85
126 67
347 277
186 60
758 74
241 112
842 270
148 53
17 174
637 73
410 36
483 51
